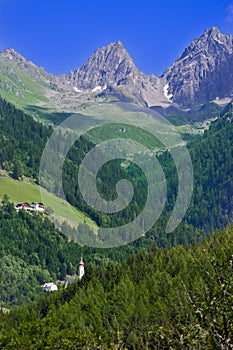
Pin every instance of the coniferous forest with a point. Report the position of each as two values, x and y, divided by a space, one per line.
23 140
165 299
163 291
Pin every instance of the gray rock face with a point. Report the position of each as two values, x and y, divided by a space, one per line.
204 71
109 65
110 69
22 82
20 62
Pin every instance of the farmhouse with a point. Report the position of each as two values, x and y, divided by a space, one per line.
35 206
23 205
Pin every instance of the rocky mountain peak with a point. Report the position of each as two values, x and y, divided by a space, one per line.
111 71
109 65
11 54
204 71
117 45
210 42
212 32
11 61
17 59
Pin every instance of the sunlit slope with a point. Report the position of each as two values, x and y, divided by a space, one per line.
30 192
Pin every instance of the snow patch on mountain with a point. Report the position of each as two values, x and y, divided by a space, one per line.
97 88
165 91
76 89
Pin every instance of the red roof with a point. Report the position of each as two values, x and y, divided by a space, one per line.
81 261
24 204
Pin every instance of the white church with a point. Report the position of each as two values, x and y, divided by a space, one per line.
81 268
52 287
81 272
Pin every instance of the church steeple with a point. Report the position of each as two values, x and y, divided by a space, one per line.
81 268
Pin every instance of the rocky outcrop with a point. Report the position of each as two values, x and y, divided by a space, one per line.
201 74
31 69
109 65
204 71
111 69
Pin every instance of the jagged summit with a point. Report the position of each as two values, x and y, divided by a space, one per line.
111 71
10 53
202 73
10 50
118 44
16 58
215 34
23 80
109 65
204 70
212 31
207 42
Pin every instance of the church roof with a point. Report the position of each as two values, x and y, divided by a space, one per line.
81 261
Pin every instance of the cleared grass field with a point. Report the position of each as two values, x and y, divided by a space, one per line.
126 131
29 192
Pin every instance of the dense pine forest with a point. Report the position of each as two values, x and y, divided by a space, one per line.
34 252
23 139
165 299
163 291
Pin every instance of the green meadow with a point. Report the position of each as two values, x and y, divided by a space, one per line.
22 191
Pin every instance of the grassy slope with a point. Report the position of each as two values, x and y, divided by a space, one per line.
29 192
112 131
30 92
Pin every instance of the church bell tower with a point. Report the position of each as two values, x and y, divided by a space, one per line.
81 268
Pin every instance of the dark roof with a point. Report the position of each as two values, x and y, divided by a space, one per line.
23 204
69 280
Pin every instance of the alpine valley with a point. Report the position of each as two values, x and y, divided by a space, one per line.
161 291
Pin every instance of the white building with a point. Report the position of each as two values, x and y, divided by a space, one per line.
81 268
71 279
37 206
50 287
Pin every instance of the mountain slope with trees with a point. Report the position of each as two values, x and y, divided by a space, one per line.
22 140
179 298
34 252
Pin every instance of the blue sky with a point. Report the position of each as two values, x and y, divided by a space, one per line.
61 35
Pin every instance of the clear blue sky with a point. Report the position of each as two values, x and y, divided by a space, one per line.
60 35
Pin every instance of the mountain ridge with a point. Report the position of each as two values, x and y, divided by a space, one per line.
201 74
204 70
109 68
